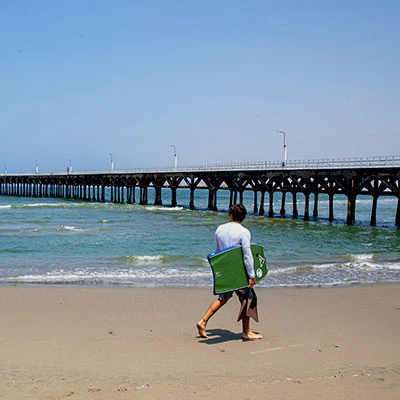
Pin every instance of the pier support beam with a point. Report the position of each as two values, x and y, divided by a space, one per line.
212 200
306 206
255 208
330 216
261 211
351 209
315 210
133 195
191 199
143 195
283 210
241 197
173 196
271 204
374 209
130 196
157 196
294 201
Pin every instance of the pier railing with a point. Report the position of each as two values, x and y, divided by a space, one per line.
368 162
330 163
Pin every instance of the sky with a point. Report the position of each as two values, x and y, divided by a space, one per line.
84 81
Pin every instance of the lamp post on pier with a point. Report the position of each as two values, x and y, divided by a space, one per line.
284 148
112 162
175 156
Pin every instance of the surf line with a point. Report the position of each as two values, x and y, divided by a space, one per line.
276 348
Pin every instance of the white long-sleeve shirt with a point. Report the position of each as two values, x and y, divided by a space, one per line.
233 234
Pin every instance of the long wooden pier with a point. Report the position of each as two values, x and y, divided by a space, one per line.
375 177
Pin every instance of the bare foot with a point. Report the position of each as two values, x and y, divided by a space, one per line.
251 336
201 327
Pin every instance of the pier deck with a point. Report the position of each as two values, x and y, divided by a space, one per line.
375 177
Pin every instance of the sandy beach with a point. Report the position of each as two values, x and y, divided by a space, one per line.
123 343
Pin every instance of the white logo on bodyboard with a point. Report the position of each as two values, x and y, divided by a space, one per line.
261 260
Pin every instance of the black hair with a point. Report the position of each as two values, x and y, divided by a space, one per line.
238 212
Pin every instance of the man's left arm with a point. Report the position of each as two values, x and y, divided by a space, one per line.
248 258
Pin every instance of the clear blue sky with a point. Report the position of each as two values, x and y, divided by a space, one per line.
81 79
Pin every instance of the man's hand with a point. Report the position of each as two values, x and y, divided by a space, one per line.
252 282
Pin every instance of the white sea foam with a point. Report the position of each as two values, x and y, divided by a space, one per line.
158 208
386 266
135 259
361 262
44 205
362 257
70 228
76 229
130 276
146 273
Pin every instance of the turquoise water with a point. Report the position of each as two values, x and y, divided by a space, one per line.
58 241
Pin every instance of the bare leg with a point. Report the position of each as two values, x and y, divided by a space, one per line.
214 307
246 332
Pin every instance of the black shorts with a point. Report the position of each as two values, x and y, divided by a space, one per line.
228 295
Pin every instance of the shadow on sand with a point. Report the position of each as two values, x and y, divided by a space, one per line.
216 336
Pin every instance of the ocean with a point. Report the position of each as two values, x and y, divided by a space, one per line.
70 242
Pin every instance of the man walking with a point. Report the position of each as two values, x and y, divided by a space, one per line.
230 234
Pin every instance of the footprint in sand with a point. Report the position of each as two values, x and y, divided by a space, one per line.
94 390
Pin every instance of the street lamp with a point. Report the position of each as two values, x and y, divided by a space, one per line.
284 148
70 166
112 162
175 156
36 167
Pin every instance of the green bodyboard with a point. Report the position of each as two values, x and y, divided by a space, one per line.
229 271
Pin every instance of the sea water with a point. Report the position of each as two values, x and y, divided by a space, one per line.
70 242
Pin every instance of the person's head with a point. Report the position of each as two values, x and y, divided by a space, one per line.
237 212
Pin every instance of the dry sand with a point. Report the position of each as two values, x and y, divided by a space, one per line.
106 343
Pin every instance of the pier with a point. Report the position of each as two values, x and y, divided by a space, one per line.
373 176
